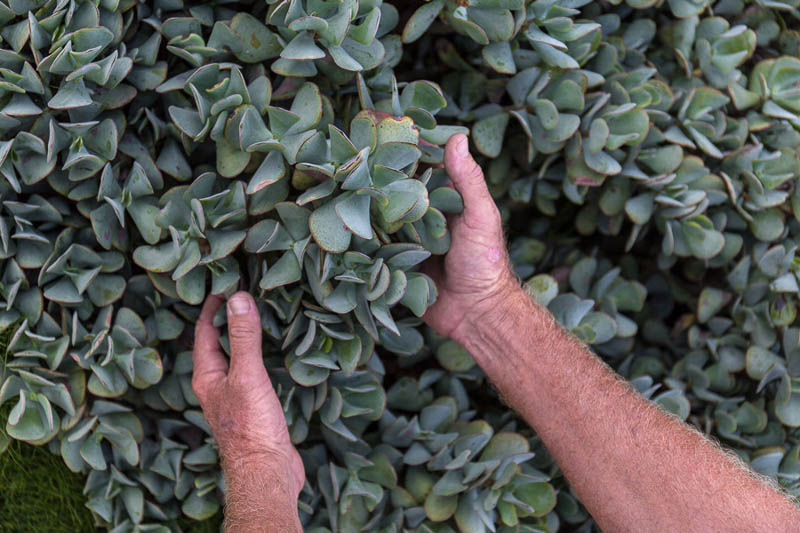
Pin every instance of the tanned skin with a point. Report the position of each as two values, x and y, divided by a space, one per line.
263 471
634 467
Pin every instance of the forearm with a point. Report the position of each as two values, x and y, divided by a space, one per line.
632 465
259 497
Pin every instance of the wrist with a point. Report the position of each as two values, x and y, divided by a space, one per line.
505 335
489 311
260 489
239 467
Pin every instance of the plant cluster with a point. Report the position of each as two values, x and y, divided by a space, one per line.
643 153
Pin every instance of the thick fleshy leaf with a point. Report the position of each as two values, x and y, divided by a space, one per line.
161 258
421 20
488 133
71 95
286 270
703 240
192 287
405 198
306 374
254 41
540 497
354 213
302 47
453 357
328 230
272 169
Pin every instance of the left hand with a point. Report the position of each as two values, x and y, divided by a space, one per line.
239 402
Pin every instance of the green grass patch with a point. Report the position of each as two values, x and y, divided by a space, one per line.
39 493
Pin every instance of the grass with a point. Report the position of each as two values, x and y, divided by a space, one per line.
39 494
37 490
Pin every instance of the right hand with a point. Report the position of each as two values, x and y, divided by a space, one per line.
474 276
237 399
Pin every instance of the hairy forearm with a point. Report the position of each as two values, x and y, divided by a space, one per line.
259 497
635 467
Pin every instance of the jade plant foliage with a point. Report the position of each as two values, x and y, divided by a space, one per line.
643 154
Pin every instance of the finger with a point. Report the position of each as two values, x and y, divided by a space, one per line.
244 334
468 179
207 357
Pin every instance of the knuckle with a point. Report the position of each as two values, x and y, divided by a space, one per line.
474 171
496 220
242 330
238 381
198 387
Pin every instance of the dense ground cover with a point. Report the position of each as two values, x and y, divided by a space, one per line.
644 155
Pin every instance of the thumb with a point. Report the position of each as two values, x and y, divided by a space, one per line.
244 334
468 179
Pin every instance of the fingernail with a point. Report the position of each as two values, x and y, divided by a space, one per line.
238 304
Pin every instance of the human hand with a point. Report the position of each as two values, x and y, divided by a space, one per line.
239 402
474 276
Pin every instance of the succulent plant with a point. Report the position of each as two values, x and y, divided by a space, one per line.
643 154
